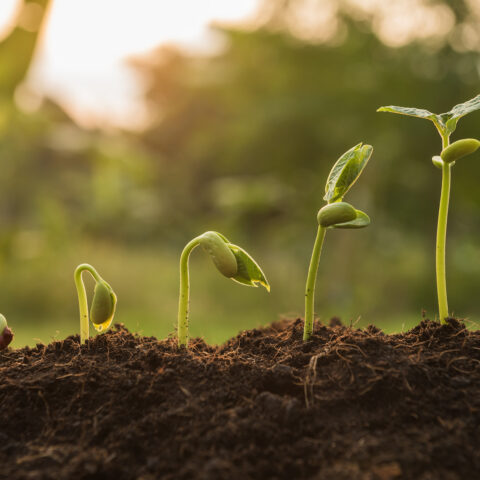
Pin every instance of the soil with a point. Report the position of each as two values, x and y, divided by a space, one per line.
349 404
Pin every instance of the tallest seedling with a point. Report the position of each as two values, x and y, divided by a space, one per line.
446 123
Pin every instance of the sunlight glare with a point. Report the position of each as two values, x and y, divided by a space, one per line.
8 10
81 57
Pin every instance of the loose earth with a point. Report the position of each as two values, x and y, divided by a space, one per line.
349 404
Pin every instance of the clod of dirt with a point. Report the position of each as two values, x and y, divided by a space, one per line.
349 404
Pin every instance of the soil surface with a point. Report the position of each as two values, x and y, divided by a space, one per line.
349 404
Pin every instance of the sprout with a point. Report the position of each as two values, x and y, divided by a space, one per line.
446 123
6 335
336 214
231 261
103 303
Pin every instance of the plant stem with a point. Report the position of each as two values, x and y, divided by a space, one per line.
184 298
82 298
311 280
442 237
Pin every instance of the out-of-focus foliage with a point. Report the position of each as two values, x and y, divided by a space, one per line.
242 142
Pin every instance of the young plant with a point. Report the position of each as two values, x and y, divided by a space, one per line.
231 260
103 303
446 123
6 335
336 214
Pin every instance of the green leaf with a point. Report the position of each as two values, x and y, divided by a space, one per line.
419 113
249 272
446 123
362 220
462 109
346 171
410 111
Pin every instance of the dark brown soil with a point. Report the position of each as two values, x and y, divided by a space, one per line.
350 404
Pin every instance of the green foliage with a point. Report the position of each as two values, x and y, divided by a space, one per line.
446 123
248 271
346 171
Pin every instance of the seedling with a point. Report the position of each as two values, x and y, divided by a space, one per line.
103 303
446 123
336 214
6 334
231 260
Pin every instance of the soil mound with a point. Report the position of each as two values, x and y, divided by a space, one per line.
349 404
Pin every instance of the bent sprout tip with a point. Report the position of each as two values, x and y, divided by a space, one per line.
336 214
103 305
6 334
231 261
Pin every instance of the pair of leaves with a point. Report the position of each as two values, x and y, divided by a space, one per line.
342 215
248 271
446 123
346 171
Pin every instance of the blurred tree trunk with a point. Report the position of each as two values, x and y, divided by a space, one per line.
17 49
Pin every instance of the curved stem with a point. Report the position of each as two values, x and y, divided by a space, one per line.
184 297
311 280
82 298
442 237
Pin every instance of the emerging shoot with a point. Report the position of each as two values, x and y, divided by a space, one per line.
336 214
103 303
231 261
446 123
6 335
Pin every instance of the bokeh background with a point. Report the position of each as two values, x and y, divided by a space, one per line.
129 127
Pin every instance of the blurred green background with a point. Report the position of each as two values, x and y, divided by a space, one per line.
241 142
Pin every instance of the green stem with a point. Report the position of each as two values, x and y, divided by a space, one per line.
442 237
311 280
82 298
184 298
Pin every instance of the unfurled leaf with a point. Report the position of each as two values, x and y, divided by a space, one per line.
410 111
248 273
446 123
346 171
462 109
360 221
